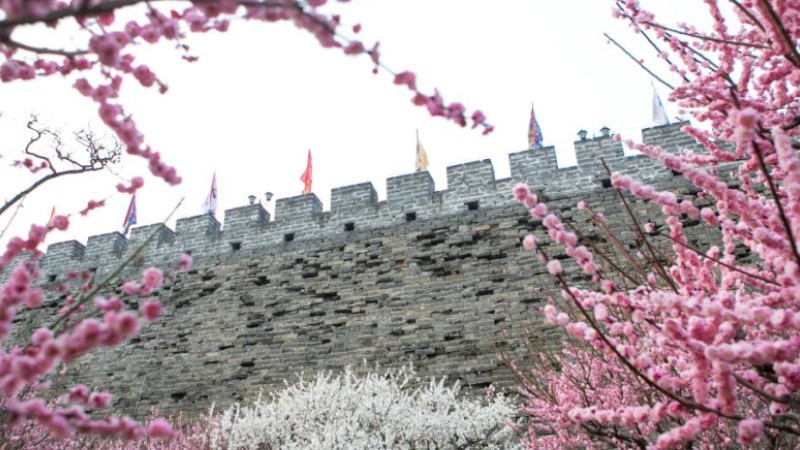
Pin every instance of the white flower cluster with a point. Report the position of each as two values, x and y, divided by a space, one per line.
374 411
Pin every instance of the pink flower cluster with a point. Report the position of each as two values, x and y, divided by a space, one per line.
108 44
687 342
50 347
556 232
99 62
17 245
151 279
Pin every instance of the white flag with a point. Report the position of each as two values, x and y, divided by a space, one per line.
659 113
422 157
210 204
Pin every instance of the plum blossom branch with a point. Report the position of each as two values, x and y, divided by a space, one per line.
90 295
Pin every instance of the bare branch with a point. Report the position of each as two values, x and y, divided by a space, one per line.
61 163
706 38
41 50
659 268
749 15
646 69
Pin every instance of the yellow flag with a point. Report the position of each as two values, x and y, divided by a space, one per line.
422 157
52 216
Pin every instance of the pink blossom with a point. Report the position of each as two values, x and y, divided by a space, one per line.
529 242
540 210
184 262
550 313
750 430
159 429
407 79
99 400
126 324
131 288
521 191
152 278
530 201
151 309
41 336
354 48
136 183
60 222
93 204
478 118
554 267
144 75
34 298
600 312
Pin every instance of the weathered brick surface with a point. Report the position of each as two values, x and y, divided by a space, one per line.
315 290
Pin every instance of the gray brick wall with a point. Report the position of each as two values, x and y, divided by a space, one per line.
361 282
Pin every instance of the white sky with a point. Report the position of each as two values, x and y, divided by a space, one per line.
262 94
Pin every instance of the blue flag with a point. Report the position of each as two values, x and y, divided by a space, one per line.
534 132
130 216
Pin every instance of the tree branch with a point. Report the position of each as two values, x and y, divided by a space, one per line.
652 74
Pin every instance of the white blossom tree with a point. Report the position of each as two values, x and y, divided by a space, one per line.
392 410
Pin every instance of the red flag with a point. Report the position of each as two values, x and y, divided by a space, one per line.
306 176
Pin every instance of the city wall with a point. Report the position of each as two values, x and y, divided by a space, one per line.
428 277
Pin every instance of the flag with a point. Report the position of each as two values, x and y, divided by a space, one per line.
306 176
52 216
130 216
534 132
659 113
422 157
210 203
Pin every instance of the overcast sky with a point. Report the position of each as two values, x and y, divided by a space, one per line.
261 95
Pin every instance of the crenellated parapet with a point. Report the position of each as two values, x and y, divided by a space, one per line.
355 208
428 277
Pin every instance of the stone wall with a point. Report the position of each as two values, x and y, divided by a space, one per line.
425 277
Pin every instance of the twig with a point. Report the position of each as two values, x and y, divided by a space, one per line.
793 56
640 233
685 402
96 161
749 14
43 50
760 392
601 253
777 199
717 261
11 220
652 74
35 185
707 38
